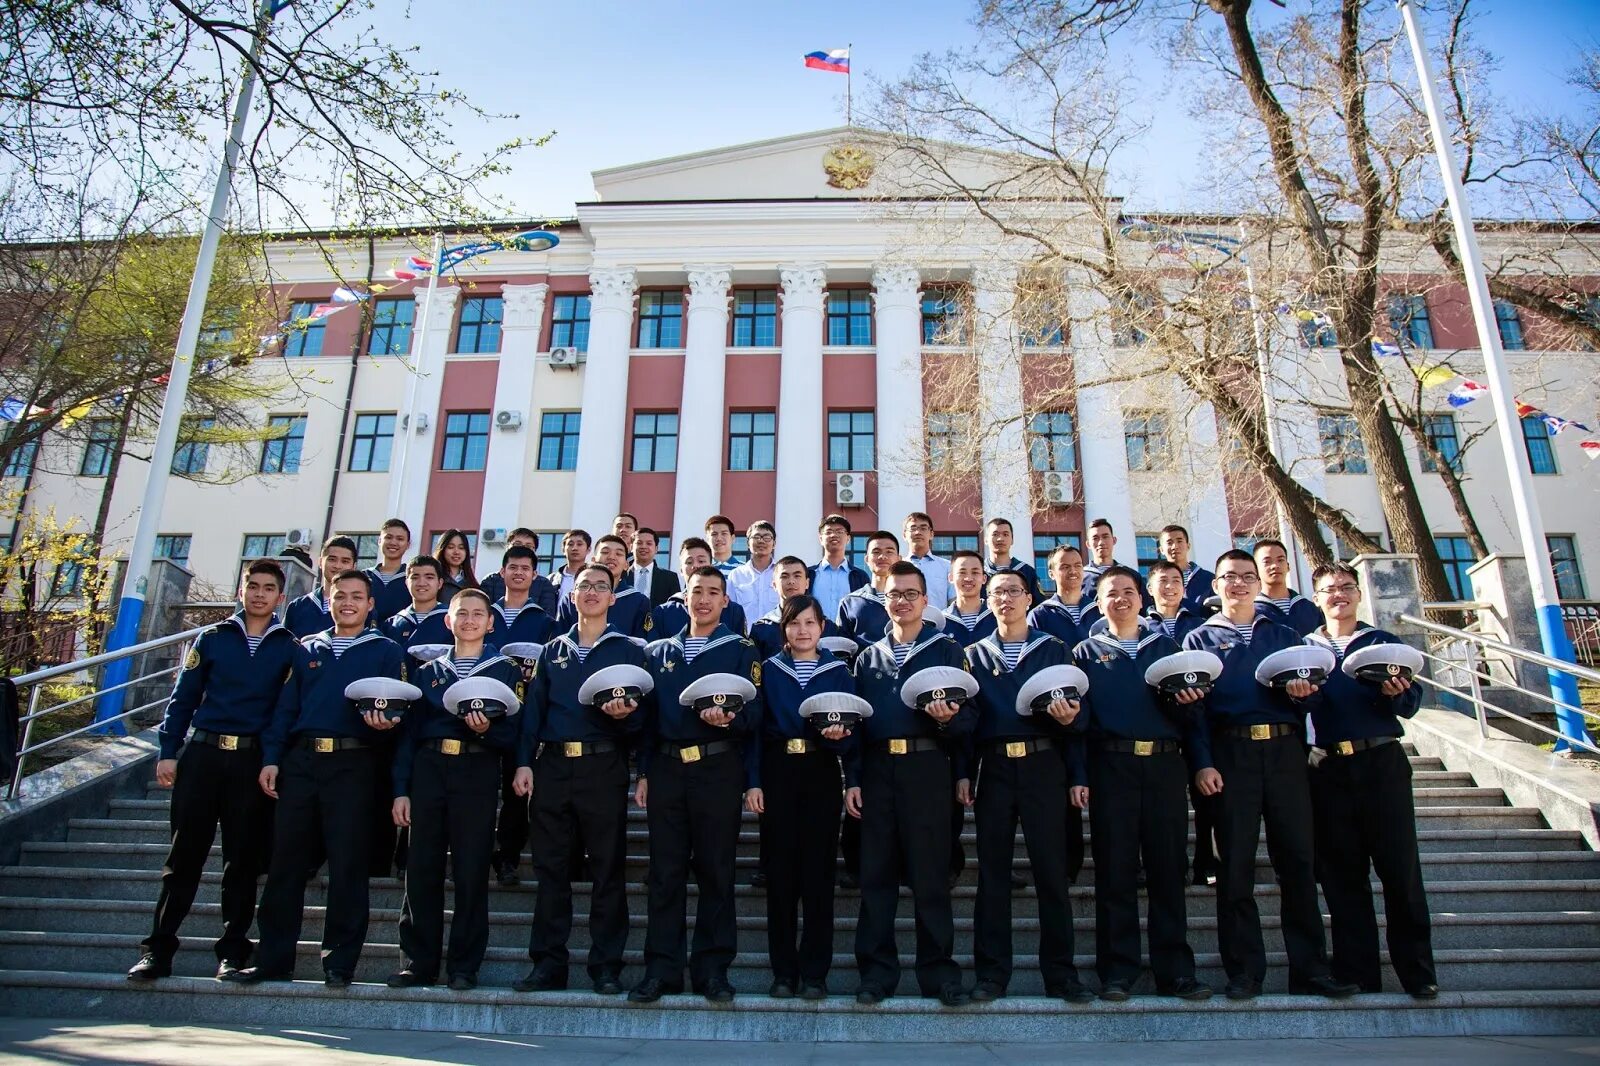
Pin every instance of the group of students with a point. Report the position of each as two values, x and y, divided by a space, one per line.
861 710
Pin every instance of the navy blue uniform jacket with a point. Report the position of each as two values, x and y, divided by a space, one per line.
1119 704
673 617
862 616
1187 620
1347 709
725 652
998 686
532 625
407 628
781 695
388 598
309 614
1054 617
878 682
1237 699
957 631
222 688
541 592
428 720
1197 588
553 714
630 615
768 634
312 700
1303 616
1030 576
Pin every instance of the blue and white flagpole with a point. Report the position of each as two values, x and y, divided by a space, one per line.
130 607
1530 524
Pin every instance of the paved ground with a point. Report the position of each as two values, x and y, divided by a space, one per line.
90 1044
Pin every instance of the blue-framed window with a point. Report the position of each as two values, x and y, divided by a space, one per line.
942 318
661 319
1455 552
1509 320
1444 433
281 454
371 443
755 318
174 546
1052 441
849 317
1131 313
99 447
655 441
1147 550
466 440
305 334
1564 564
1536 439
558 440
189 458
752 440
1144 437
391 325
1408 318
569 323
1343 451
852 440
479 330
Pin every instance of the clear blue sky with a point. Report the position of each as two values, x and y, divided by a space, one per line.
624 81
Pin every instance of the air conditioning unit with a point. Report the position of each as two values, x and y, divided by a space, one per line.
297 538
1058 490
492 536
850 489
508 419
422 422
565 358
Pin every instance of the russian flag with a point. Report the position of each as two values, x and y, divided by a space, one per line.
1591 448
837 60
1465 393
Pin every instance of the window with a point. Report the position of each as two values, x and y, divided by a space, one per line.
942 318
1536 439
851 440
1129 315
391 325
944 544
857 552
558 440
98 449
1510 323
471 535
1043 545
257 546
655 441
1246 542
547 557
1345 552
305 332
1316 330
661 319
367 548
1342 449
849 317
947 433
752 440
1144 435
1052 441
1456 554
1147 552
1443 435
480 324
740 548
281 454
174 546
20 462
67 580
755 318
1564 563
189 459
371 443
569 323
466 440
1408 317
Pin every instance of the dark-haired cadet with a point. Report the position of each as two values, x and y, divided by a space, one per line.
313 612
1173 543
389 592
1277 600
998 535
673 615
320 762
454 553
630 612
421 621
1062 615
517 618
792 770
1135 777
1172 612
227 690
1361 792
540 591
862 614
792 579
969 619
1254 758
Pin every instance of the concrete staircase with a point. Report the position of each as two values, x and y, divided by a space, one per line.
1516 908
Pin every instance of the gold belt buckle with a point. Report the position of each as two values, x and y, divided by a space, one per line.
1344 747
227 743
1261 732
796 746
898 747
1144 747
1016 749
450 746
322 744
690 754
572 748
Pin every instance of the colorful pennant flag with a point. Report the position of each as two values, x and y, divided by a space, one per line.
1435 375
1557 424
15 410
1526 409
1384 351
1591 448
1465 393
343 295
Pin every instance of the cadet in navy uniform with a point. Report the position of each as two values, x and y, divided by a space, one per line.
691 781
312 612
1133 785
541 592
389 592
630 614
517 618
969 619
227 690
673 615
1255 758
1022 776
862 614
1173 543
906 782
1361 793
1173 615
998 535
1276 600
1062 614
320 762
792 579
573 759
792 769
421 621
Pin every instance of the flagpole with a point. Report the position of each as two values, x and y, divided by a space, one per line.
1530 523
399 479
848 48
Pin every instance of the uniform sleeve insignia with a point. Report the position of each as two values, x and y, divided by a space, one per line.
522 691
192 660
755 673
649 623
402 671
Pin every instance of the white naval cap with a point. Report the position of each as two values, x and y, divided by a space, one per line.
386 694
834 708
844 647
723 692
491 698
1184 669
1308 662
524 651
621 682
934 617
938 683
1382 662
1063 682
428 652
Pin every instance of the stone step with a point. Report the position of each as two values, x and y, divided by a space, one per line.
1459 969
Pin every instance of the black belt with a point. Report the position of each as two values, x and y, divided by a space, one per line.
795 745
1257 732
576 749
323 745
696 752
225 741
453 746
1016 749
1138 747
907 745
1350 747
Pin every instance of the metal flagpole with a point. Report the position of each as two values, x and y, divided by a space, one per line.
408 429
1530 524
848 61
130 607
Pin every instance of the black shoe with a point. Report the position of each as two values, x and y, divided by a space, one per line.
1241 988
150 968
987 992
648 991
951 994
255 975
758 879
869 995
781 990
848 881
1018 882
1324 985
718 990
335 979
227 966
1425 992
506 873
1188 988
1073 993
409 979
463 982
813 990
607 985
540 979
1116 991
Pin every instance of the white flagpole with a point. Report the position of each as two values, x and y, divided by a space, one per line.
847 75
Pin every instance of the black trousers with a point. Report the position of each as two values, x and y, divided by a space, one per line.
586 796
958 851
511 831
390 844
850 846
452 813
1073 831
800 833
694 810
324 809
1137 809
214 787
905 825
1205 834
1265 781
1366 819
1031 789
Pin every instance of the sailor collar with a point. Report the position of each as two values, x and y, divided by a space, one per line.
570 637
719 636
1035 638
927 636
238 620
1294 598
447 662
825 662
411 612
1146 636
867 592
955 616
318 642
1324 638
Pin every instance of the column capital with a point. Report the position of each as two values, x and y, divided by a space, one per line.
708 287
443 312
803 285
895 285
524 305
612 288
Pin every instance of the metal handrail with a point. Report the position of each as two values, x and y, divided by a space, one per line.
79 665
1533 657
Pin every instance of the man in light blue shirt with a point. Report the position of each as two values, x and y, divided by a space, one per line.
834 578
918 530
751 584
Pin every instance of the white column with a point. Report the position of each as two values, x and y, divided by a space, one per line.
1210 531
511 450
602 434
1101 449
409 480
801 433
897 317
697 490
1007 473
